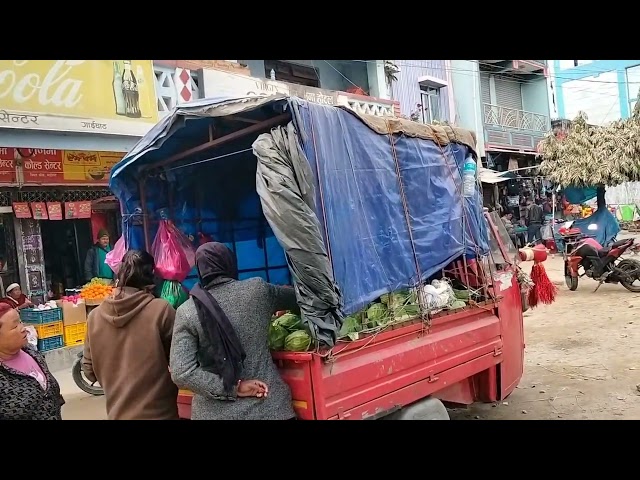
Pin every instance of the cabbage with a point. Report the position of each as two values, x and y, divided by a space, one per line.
407 312
350 328
298 341
457 304
289 322
377 315
461 294
277 335
397 300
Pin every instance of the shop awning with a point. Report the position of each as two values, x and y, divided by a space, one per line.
47 140
487 175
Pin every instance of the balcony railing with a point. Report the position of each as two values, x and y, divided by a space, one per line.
513 118
168 95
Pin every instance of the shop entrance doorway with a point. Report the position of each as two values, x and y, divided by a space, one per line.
8 258
65 244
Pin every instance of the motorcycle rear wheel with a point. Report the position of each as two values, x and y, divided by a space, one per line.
627 265
82 383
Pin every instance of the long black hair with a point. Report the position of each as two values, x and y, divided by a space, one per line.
136 270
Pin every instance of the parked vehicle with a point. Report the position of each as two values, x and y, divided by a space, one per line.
584 256
342 179
92 388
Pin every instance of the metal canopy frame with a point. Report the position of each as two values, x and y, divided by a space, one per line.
211 143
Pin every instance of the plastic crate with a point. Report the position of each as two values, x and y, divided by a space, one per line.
74 334
31 315
51 343
48 330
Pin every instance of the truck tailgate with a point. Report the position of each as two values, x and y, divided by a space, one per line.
394 368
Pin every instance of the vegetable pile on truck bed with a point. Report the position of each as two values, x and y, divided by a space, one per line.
368 212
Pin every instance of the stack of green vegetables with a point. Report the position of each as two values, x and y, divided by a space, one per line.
287 333
392 308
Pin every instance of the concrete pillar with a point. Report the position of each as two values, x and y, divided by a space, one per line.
377 82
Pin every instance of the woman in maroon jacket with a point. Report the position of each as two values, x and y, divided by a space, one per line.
15 298
28 391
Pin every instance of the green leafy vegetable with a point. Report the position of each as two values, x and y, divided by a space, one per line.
461 294
289 322
298 341
377 315
350 325
277 335
457 304
407 312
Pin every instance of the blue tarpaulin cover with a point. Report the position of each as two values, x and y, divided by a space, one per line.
363 202
385 196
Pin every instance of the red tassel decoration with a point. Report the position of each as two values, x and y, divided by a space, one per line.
543 289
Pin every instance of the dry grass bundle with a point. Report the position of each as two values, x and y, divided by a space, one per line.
594 155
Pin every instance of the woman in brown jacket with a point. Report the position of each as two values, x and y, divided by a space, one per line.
127 346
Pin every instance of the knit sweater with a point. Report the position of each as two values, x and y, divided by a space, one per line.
249 305
22 397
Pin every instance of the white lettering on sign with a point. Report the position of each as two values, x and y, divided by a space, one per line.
57 87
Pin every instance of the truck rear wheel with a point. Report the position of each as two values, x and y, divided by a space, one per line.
429 408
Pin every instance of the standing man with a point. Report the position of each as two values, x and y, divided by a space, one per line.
535 216
94 264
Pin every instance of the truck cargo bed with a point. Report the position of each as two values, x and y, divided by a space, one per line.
384 372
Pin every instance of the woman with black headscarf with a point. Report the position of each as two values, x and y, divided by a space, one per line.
220 343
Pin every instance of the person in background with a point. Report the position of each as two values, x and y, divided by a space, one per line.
94 264
507 220
220 343
535 216
15 298
547 206
28 391
127 346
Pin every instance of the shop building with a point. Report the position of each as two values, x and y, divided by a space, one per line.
355 84
63 125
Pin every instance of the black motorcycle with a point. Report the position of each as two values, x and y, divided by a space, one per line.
81 381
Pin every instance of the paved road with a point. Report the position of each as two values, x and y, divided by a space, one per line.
79 406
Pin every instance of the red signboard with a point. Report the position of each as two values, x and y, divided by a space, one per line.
22 210
7 165
54 209
39 210
73 210
43 166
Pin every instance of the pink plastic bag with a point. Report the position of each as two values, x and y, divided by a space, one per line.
114 257
172 252
183 242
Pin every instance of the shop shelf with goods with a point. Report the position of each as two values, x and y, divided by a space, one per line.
74 334
48 330
51 343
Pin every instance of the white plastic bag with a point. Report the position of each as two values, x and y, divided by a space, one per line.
32 335
437 296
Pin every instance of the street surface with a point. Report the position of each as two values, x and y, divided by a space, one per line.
582 360
80 405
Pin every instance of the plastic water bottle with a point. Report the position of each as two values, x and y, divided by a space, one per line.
469 177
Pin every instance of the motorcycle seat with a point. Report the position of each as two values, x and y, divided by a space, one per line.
619 243
603 252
